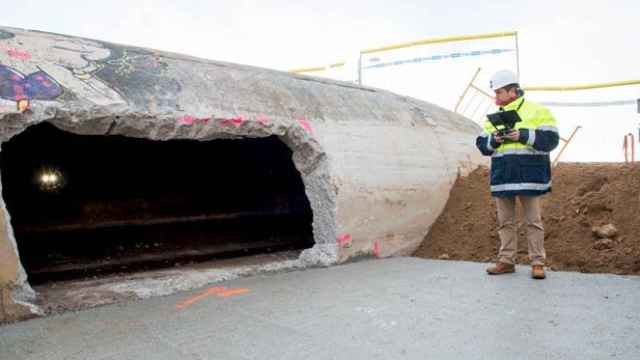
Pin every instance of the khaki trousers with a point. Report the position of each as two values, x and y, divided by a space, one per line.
508 231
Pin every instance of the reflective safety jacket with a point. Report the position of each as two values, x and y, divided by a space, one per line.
522 167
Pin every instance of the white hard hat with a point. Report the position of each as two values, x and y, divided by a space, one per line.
502 78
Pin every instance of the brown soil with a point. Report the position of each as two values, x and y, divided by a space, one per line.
584 196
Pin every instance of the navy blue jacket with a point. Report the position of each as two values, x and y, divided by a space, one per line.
522 167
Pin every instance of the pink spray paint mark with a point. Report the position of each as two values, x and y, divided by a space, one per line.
306 125
186 120
19 54
236 121
19 91
343 240
190 120
376 248
263 119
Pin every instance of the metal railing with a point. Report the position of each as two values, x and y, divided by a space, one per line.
629 148
475 91
421 42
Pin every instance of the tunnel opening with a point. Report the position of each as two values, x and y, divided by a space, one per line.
92 205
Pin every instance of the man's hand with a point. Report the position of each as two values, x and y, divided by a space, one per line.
514 135
498 139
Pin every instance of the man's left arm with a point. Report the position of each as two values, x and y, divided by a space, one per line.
545 136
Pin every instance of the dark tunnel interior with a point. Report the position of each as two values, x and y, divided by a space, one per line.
90 205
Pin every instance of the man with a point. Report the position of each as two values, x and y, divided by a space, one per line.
520 168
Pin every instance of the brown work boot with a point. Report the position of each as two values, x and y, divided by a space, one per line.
537 272
501 268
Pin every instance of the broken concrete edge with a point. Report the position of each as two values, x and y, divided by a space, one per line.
307 156
176 281
16 295
13 308
84 294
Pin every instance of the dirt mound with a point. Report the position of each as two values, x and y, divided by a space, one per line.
584 197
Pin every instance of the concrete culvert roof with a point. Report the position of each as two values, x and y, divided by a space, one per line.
376 167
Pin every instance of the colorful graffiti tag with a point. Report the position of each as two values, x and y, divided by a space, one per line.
22 89
139 76
5 35
103 73
190 120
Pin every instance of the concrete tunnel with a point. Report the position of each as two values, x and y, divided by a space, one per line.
119 203
115 158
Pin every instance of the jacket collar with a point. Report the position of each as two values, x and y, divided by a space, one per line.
515 104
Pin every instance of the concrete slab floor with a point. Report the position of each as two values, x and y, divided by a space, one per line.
401 308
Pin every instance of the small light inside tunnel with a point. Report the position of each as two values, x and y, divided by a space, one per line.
50 180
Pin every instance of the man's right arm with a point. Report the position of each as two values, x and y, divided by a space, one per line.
487 143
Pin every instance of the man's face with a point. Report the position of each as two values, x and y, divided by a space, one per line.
504 96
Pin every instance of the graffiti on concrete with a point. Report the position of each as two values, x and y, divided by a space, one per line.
344 240
263 119
102 73
218 291
19 54
305 125
15 86
140 76
190 120
5 35
68 61
236 121
376 248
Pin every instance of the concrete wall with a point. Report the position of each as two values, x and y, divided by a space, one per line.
377 167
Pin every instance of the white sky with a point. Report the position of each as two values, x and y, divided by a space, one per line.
561 42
